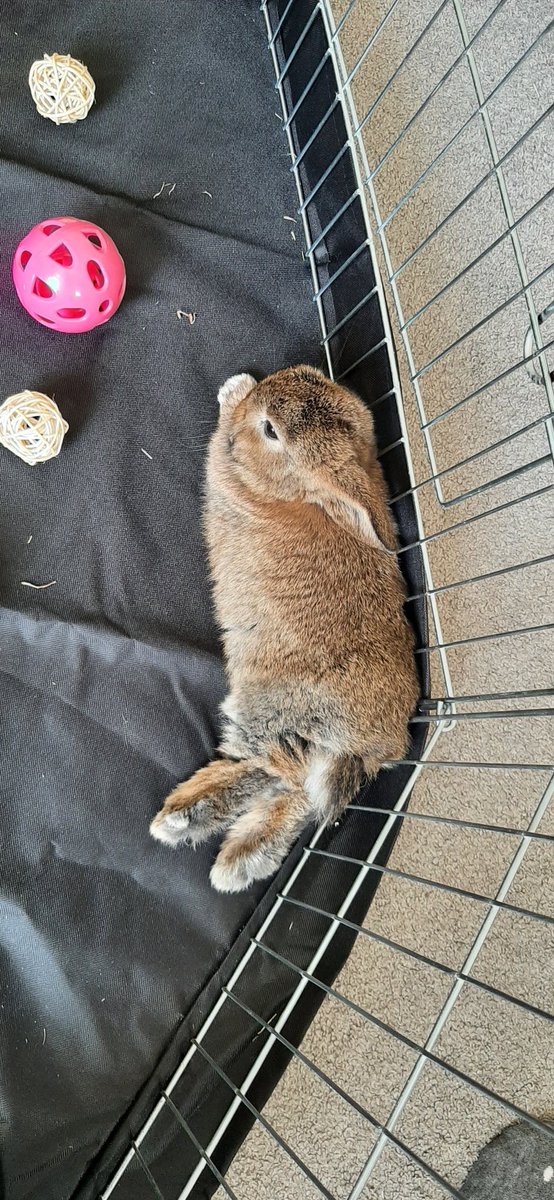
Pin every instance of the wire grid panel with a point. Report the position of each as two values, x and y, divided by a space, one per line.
438 1030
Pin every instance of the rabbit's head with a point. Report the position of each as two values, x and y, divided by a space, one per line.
296 436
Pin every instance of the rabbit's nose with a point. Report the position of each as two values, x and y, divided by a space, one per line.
235 389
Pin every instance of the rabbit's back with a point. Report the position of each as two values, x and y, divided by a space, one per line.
312 622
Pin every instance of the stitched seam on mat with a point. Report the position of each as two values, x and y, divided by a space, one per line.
144 208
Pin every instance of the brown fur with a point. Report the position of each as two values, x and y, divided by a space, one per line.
309 596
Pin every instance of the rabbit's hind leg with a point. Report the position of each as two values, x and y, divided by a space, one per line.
257 843
210 800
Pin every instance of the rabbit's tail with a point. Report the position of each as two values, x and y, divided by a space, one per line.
333 781
271 800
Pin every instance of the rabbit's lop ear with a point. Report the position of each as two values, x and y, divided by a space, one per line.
349 500
235 389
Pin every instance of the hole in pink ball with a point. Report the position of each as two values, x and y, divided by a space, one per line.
62 255
24 259
43 320
96 274
104 306
93 237
71 314
48 229
42 289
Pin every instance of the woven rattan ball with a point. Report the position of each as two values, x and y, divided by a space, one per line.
61 87
32 426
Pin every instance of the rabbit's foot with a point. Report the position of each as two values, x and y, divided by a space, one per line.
190 825
207 802
257 843
236 873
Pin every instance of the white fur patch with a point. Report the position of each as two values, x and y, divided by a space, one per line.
237 876
235 389
172 829
229 708
316 783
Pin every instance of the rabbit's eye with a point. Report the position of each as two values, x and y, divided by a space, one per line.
270 432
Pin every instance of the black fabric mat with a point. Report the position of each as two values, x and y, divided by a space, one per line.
111 678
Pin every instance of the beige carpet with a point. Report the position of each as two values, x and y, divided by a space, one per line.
507 1049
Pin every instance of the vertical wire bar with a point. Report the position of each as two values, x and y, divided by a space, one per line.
436 87
321 950
311 195
509 213
450 822
469 120
358 155
331 224
447 287
147 1172
197 1145
353 311
280 22
381 940
299 42
376 33
484 387
452 998
340 270
313 79
437 885
473 192
471 579
270 1129
513 714
487 637
348 82
475 457
480 516
467 764
298 183
297 158
357 363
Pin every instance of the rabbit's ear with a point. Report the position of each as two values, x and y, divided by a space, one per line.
352 501
235 389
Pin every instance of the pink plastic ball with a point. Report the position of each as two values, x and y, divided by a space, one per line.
69 275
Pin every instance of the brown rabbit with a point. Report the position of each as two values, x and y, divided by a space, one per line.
309 595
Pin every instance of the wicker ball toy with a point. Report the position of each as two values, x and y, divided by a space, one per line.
32 426
62 88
